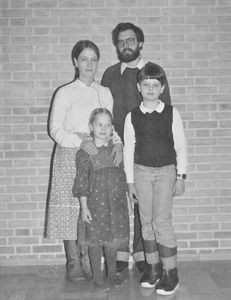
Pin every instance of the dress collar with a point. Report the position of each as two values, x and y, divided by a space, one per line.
139 65
158 109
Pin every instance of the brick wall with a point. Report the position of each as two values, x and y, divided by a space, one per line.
191 39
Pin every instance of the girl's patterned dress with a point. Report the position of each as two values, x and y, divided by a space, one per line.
105 188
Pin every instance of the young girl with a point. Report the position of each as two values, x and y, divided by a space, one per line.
101 188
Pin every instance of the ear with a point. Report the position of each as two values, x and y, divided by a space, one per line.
138 86
90 126
162 89
141 45
76 63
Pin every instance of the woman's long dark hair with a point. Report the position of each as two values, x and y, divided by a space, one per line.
78 48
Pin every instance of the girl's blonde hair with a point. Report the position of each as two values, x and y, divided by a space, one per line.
98 111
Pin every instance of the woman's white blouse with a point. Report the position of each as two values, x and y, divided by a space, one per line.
71 109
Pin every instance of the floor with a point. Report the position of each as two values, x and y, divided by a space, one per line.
198 281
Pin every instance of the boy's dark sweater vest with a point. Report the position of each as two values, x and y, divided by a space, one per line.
154 139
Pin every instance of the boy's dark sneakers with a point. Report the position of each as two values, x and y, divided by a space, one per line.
151 276
169 283
141 266
121 266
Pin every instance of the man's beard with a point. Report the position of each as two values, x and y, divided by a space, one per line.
128 55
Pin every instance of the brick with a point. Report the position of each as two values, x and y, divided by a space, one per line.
6 232
225 244
22 215
222 235
201 3
186 235
3 241
226 226
21 146
6 250
21 206
23 249
21 189
23 224
225 209
204 244
205 236
22 232
6 215
20 154
204 227
23 240
47 249
203 210
42 4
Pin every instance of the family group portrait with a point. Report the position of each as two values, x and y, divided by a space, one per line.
115 164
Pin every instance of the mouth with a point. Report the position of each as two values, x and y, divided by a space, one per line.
127 51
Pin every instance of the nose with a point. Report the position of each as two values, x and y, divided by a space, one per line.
150 87
125 45
89 63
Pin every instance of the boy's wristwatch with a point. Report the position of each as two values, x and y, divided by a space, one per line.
182 176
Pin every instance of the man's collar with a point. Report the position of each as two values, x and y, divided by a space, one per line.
158 109
139 65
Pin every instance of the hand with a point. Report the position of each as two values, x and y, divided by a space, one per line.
118 152
179 187
89 147
86 215
132 193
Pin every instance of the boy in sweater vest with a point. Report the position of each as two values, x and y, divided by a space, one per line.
155 160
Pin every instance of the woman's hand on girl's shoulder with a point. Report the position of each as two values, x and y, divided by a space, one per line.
117 150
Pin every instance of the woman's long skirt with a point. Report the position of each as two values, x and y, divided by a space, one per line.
62 208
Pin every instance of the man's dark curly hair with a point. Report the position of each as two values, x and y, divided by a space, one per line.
126 26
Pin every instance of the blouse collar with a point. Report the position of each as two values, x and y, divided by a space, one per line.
84 85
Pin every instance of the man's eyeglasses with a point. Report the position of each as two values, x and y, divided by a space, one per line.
129 42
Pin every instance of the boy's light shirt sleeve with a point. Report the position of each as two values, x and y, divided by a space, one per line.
180 145
62 136
129 148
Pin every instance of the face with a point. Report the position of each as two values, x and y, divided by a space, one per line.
102 127
87 63
150 89
128 48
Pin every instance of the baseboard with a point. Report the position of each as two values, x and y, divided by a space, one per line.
17 261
